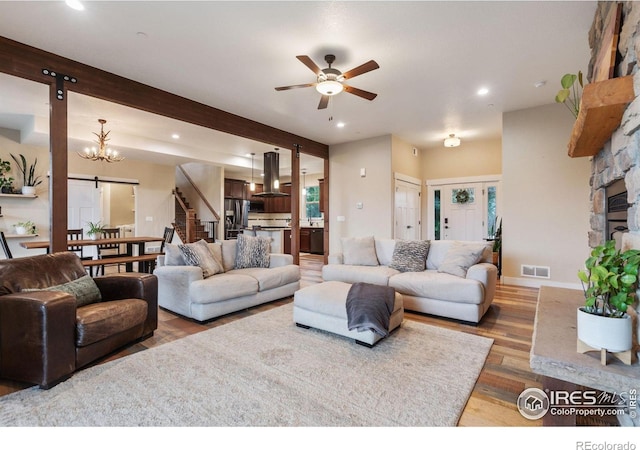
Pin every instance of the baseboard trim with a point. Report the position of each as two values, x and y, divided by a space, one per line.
526 282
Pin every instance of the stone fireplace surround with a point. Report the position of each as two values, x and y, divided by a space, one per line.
620 156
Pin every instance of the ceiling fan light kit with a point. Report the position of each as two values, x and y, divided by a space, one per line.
330 81
452 141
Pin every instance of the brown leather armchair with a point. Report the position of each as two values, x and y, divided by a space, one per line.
45 336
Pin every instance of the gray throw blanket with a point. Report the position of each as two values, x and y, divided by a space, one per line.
369 307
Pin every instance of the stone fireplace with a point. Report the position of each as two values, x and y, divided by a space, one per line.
616 168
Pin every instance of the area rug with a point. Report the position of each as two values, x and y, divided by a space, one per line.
264 371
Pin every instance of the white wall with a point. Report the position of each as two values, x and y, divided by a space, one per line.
347 189
545 197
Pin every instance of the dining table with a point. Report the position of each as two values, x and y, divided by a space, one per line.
135 250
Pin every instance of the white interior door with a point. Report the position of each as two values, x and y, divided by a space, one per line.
463 211
84 204
407 211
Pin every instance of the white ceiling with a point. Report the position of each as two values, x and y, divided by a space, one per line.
433 57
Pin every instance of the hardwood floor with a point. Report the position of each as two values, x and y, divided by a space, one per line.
505 375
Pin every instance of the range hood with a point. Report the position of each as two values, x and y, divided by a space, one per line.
271 184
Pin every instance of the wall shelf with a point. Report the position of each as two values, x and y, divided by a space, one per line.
19 195
22 236
601 108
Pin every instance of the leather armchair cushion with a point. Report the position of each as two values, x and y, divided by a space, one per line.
102 320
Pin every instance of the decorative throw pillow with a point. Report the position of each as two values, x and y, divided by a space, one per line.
198 254
173 255
460 257
359 251
84 289
252 251
410 256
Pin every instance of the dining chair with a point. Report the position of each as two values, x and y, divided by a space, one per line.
5 246
77 234
106 251
167 238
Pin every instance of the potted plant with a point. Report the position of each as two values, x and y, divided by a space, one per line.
570 94
29 178
94 230
609 281
5 181
26 227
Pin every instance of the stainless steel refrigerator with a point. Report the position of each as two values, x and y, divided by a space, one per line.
236 217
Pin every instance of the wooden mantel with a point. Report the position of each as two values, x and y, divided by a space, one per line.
601 108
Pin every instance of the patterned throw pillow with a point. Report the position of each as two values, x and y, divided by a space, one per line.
84 289
460 257
199 254
410 256
252 251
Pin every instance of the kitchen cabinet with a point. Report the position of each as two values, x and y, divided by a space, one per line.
286 241
234 189
312 240
251 196
281 204
305 240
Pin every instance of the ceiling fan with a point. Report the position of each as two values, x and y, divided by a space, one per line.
330 81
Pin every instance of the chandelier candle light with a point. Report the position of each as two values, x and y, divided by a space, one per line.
102 153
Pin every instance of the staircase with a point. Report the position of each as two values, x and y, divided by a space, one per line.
188 226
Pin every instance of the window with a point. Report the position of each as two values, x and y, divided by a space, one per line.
436 213
491 211
312 202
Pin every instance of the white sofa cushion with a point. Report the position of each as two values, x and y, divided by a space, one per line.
222 287
359 251
460 257
438 286
273 277
384 250
358 274
438 250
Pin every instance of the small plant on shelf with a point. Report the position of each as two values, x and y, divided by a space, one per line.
25 227
571 93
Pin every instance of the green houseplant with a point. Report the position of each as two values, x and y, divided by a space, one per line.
25 227
609 281
5 181
571 93
29 178
95 229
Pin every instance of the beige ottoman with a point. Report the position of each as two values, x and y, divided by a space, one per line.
323 306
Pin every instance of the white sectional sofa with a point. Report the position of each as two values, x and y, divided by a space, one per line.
185 290
465 296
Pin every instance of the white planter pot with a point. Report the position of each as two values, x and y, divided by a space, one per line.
611 334
28 190
93 237
21 230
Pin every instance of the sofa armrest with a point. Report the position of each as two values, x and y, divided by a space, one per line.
335 258
280 260
37 336
143 286
487 274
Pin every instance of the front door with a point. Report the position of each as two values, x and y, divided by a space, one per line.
462 212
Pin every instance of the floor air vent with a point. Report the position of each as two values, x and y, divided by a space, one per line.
535 271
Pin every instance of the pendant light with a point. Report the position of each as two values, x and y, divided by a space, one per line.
252 186
304 182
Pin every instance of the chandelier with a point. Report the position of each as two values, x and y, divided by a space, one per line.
102 153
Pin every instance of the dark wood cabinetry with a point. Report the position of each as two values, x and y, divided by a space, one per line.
312 240
234 189
251 196
286 241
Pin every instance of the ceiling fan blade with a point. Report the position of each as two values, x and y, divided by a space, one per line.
295 86
364 68
324 101
359 92
304 59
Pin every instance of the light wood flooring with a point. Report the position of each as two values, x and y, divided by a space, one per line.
505 375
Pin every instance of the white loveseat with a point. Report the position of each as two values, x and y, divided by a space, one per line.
184 289
465 296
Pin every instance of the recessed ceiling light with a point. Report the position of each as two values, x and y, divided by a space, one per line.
75 4
340 125
483 91
175 136
539 84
